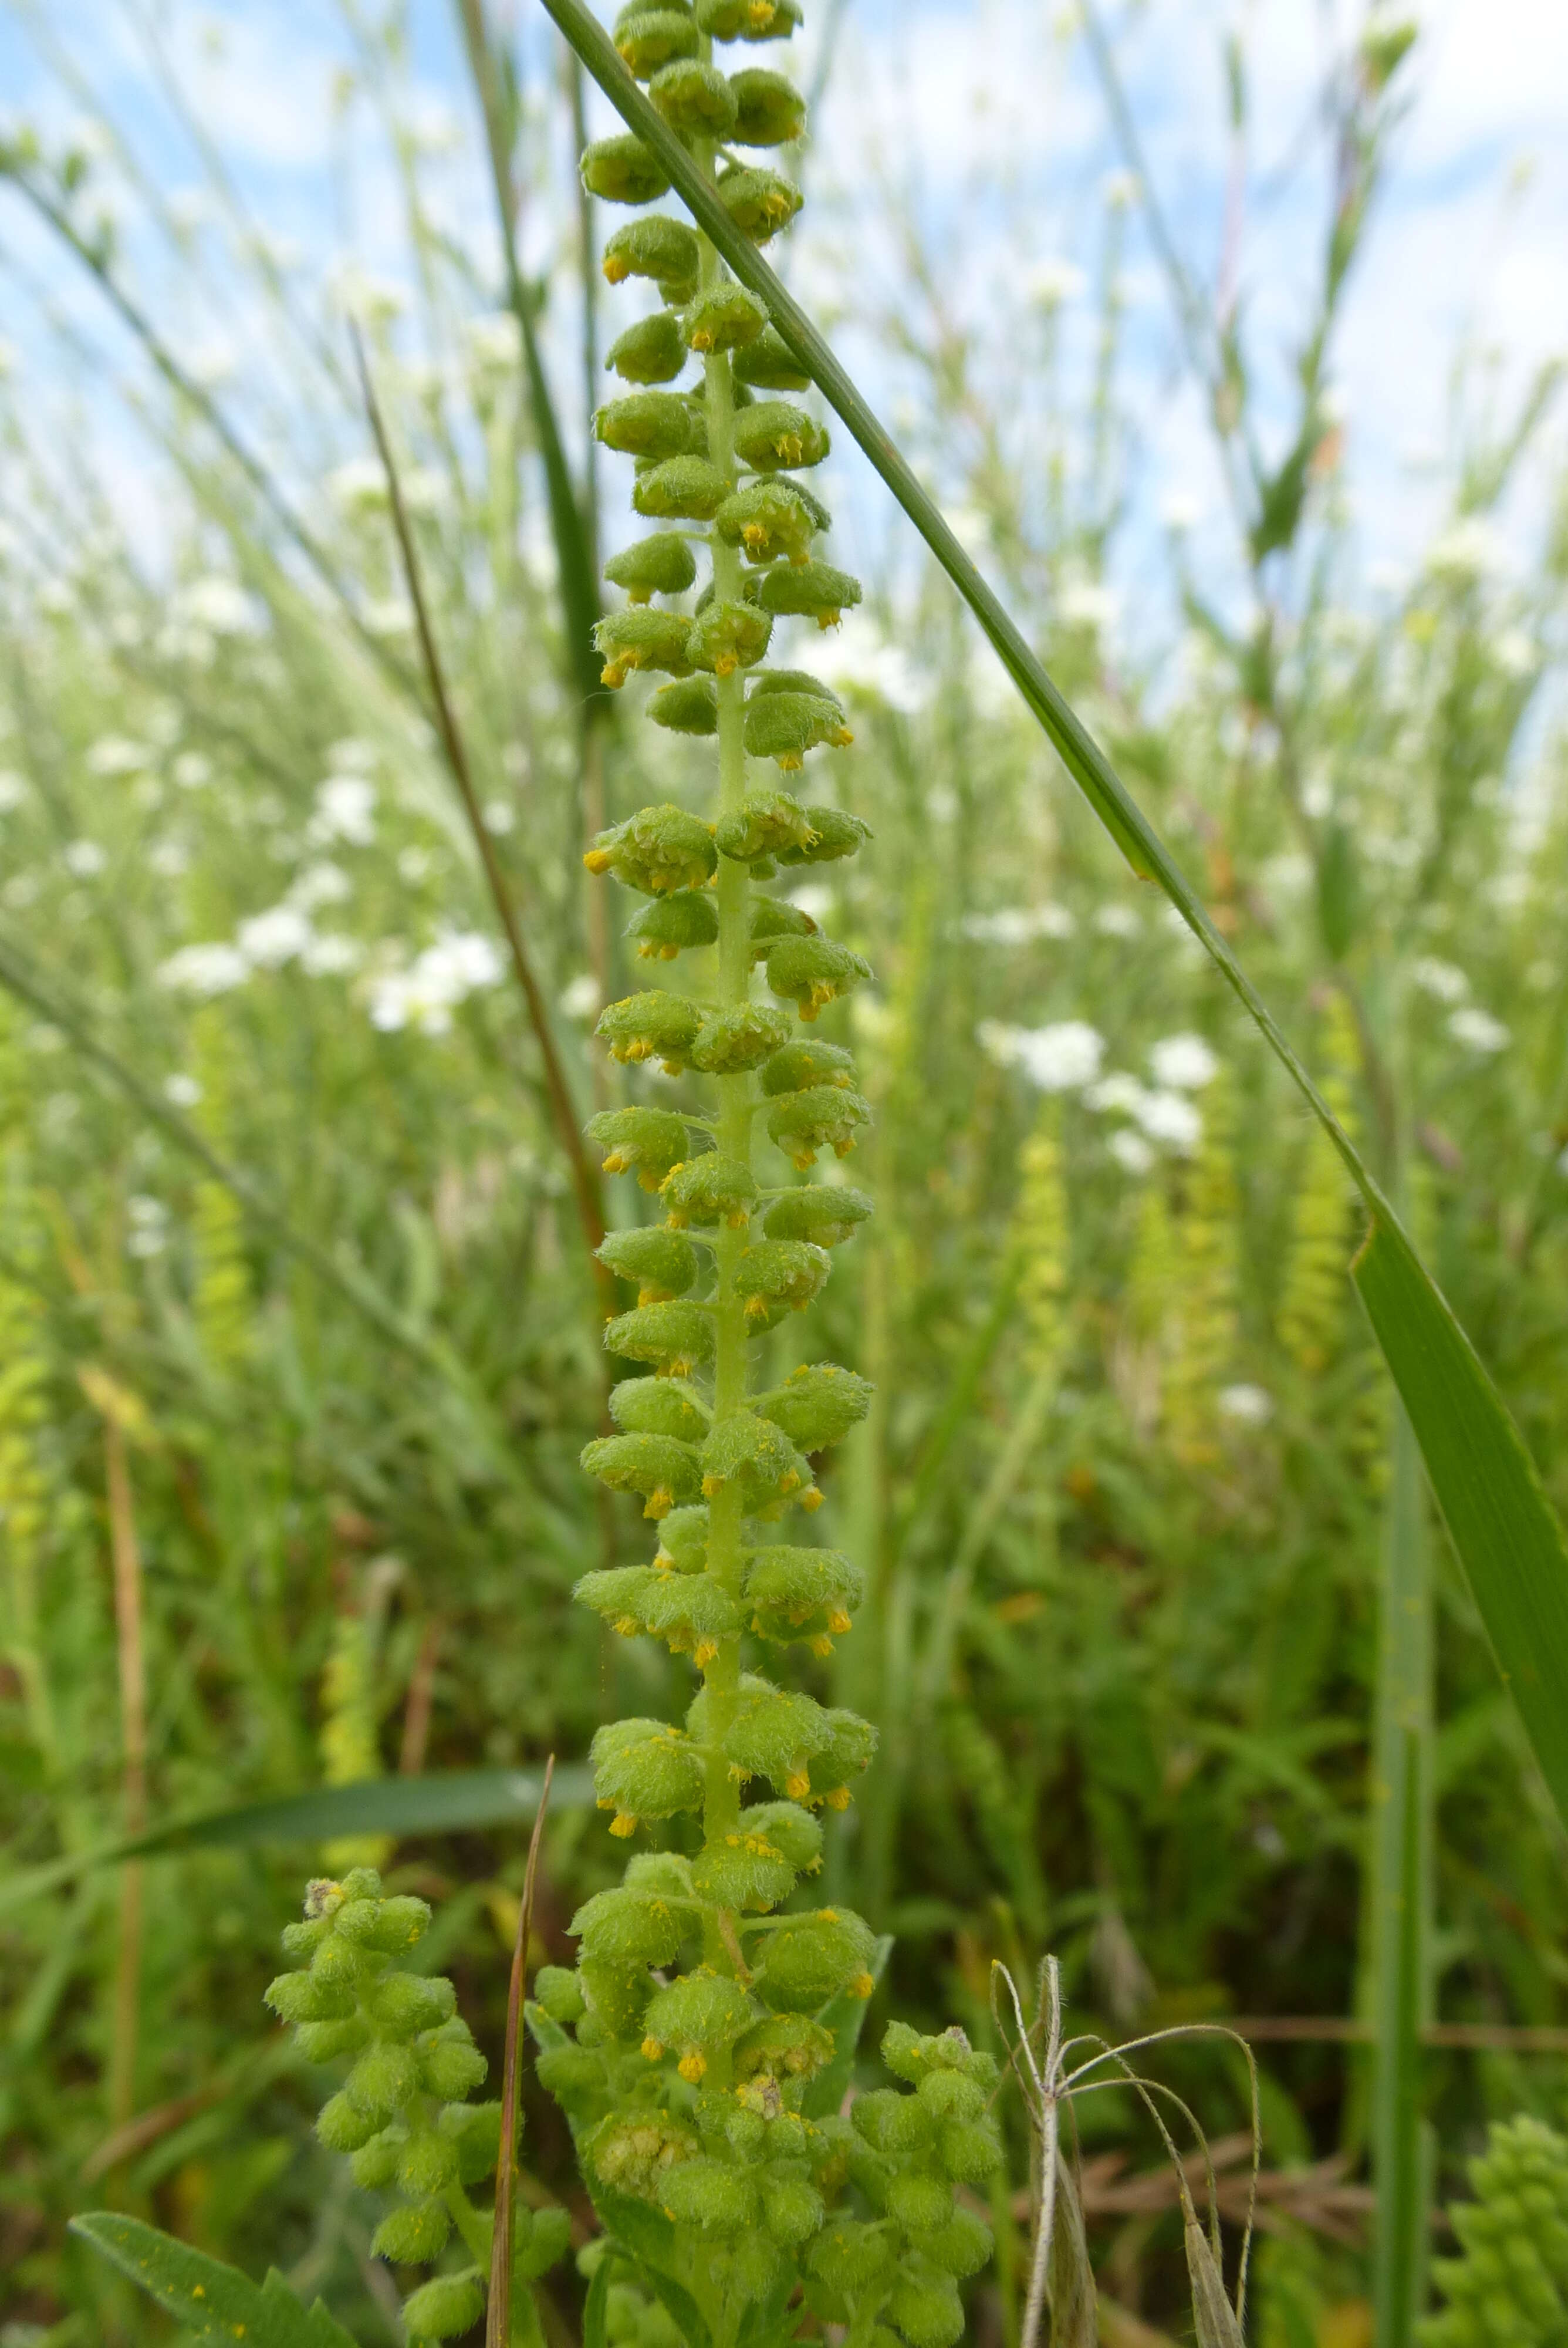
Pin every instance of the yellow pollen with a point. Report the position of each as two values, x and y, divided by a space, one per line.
652 2049
796 1784
822 1644
726 665
756 1308
623 1824
838 1799
811 1500
838 1622
613 673
711 1484
597 859
825 620
706 1651
863 1984
692 2066
659 1502
627 1626
790 760
615 269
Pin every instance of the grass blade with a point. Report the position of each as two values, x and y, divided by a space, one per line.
450 1800
498 2309
211 2301
1501 1525
1486 1485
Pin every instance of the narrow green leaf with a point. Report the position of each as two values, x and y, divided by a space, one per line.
445 1803
594 2315
846 2017
1214 2318
1485 1483
1507 1491
1075 2308
211 2301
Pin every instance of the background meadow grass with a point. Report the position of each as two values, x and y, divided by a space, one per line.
292 1495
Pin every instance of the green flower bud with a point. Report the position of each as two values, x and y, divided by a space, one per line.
683 1542
650 37
694 98
338 1963
727 636
664 1266
804 1594
645 1769
950 2095
654 1026
800 1068
664 928
768 520
652 424
824 1117
759 202
925 2306
684 488
920 2203
428 2164
785 2046
639 2152
660 565
746 2131
571 2073
630 1927
475 2130
642 638
624 172
659 1406
742 1869
723 318
412 2237
852 2257
814 971
823 1214
558 1993
730 1040
673 1337
834 834
746 1449
647 1141
542 2244
660 849
374 2165
405 2004
709 2194
323 2042
910 2056
658 247
812 590
617 1995
892 2124
811 1959
769 109
689 707
748 20
299 1940
693 1615
662 1471
652 351
770 365
384 2080
792 2208
342 2126
961 2246
763 824
968 2150
771 1734
711 1188
304 1997
443 2309
450 2066
779 1276
786 726
773 919
851 1742
774 436
697 2014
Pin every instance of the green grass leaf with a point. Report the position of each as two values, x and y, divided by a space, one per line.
211 2301
1485 1483
445 1803
1500 1523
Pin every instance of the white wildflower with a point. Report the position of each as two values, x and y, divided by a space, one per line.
1184 1063
330 954
218 605
1170 1117
353 756
493 339
1468 550
1248 1405
1514 653
115 753
1089 603
84 859
1131 1151
12 789
169 859
1056 1059
345 810
359 486
425 994
183 1091
321 883
1018 925
1052 283
209 968
499 814
1116 921
1477 1030
1118 1093
388 615
278 935
1441 980
413 865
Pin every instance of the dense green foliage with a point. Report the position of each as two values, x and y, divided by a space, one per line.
1118 1501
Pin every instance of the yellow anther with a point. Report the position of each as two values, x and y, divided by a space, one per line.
820 1645
838 1622
798 1784
627 1626
706 1651
863 1984
838 1799
623 1823
652 2049
711 1484
692 2066
811 1500
659 1502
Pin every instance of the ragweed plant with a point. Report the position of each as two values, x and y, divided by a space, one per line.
712 2022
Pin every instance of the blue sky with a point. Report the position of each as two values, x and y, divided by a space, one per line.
990 120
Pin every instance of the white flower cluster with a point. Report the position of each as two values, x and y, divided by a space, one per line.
425 993
1067 1058
1018 925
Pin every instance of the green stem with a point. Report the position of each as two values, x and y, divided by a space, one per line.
725 1550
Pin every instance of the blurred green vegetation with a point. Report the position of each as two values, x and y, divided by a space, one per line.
1123 1492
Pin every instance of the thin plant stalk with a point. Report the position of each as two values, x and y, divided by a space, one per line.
585 1180
125 1554
499 2309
